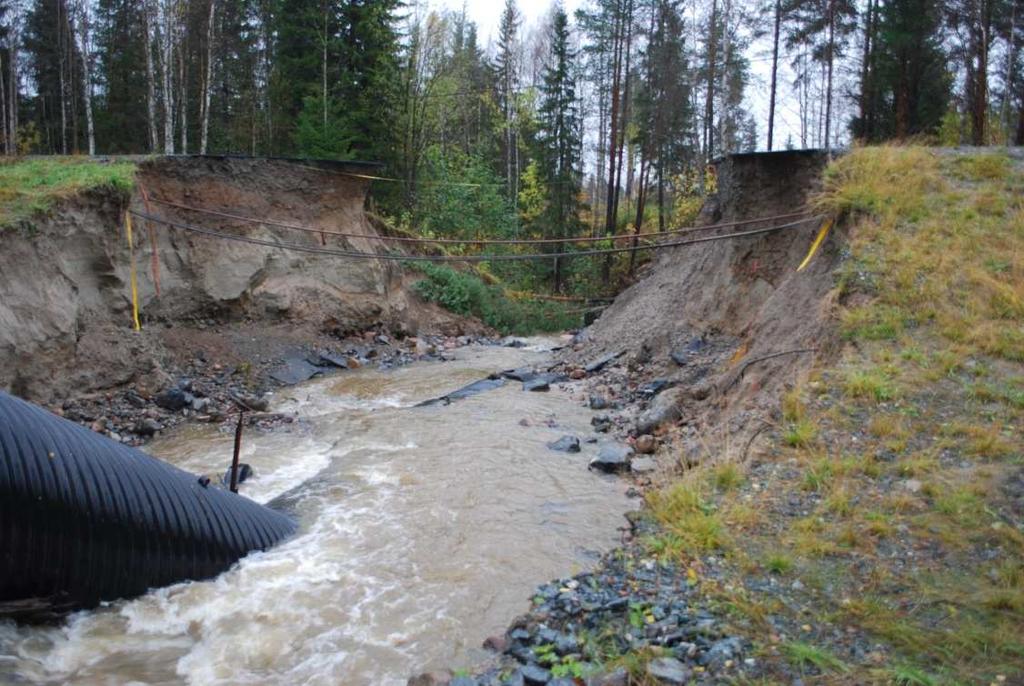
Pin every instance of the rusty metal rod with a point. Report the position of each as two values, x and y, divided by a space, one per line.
238 448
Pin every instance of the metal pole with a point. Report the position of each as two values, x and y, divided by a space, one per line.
238 447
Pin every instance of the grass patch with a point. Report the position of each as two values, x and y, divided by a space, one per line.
34 185
778 564
466 294
800 434
804 655
727 476
869 384
692 526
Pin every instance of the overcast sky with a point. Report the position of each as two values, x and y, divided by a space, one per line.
486 14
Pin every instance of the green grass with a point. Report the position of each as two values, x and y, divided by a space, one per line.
804 655
465 293
33 185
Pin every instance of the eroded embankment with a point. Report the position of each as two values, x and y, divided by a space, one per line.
224 312
723 325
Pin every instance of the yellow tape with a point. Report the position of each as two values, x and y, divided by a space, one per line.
817 243
134 277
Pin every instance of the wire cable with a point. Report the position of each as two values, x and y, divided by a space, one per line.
460 258
471 241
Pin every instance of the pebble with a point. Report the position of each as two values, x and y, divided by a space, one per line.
669 670
645 444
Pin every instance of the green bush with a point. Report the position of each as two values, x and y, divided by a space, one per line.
466 294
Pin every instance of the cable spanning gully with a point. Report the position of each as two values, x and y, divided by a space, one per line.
510 257
469 241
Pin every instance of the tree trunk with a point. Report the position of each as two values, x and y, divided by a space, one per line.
83 35
831 60
867 131
661 193
641 197
167 65
61 50
207 86
154 139
617 48
775 71
3 110
709 100
978 91
183 97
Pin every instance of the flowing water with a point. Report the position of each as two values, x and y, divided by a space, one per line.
422 531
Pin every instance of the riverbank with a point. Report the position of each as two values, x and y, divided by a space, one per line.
848 512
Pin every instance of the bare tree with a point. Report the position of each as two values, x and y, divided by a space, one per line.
81 21
207 81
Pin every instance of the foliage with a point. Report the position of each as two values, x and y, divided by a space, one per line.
30 186
466 294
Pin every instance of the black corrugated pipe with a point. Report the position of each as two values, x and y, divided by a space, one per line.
84 519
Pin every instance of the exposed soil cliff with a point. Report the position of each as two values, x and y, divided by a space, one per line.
65 304
704 313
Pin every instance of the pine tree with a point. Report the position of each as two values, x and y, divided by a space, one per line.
559 141
908 88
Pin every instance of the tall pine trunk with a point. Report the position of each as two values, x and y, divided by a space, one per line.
83 35
709 100
775 72
167 66
828 88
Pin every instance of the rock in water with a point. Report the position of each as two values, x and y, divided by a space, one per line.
566 444
542 382
669 670
612 458
245 472
523 374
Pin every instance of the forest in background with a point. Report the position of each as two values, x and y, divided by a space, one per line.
600 123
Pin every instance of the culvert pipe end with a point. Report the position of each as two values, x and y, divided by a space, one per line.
84 519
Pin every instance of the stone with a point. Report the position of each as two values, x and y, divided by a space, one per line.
245 472
721 652
912 485
565 444
147 427
683 355
522 374
645 444
612 458
335 360
643 465
256 403
653 388
669 670
431 679
172 399
577 374
510 342
539 383
497 644
294 370
664 408
601 423
463 681
200 404
701 391
603 361
598 402
535 675
616 677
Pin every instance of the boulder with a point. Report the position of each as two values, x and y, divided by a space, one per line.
645 444
612 458
565 444
173 399
245 472
664 408
669 670
643 465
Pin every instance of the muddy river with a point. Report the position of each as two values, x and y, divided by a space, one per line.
423 530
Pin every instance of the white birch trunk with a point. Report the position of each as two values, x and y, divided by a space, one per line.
154 139
166 67
83 20
207 86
